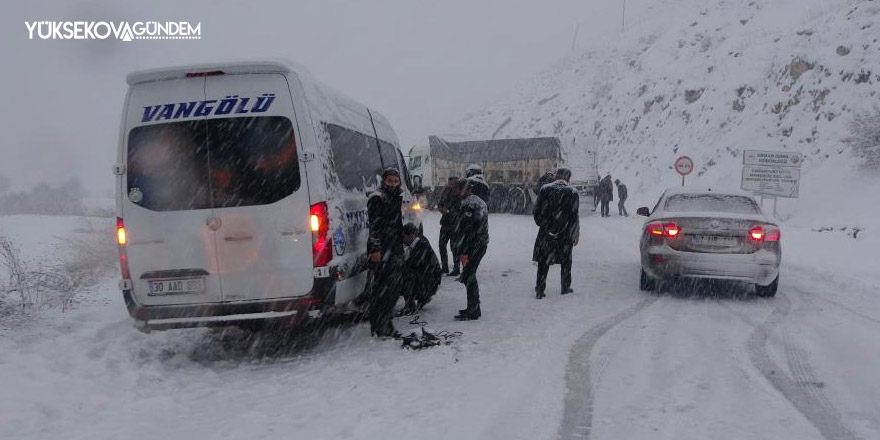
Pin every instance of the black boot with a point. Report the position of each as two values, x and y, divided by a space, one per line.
567 290
539 294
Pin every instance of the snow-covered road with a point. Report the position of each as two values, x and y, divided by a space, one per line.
607 362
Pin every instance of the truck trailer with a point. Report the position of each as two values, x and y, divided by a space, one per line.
511 167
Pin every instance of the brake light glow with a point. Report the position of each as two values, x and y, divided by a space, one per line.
417 206
120 232
761 233
668 230
322 244
123 256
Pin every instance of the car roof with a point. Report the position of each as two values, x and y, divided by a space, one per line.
695 190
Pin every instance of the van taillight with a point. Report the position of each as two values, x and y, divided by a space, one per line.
120 232
123 256
322 244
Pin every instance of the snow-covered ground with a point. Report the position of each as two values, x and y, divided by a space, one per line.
608 361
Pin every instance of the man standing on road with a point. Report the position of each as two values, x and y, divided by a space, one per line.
597 193
606 194
621 198
556 214
450 205
385 247
473 242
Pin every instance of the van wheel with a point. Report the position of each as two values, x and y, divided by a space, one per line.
768 291
646 283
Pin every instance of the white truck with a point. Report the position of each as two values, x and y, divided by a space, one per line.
511 167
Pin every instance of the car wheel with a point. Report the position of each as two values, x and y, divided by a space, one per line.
769 290
646 283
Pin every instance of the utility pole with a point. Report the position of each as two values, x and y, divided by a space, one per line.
623 18
574 40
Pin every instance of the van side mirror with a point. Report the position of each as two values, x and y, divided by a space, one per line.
644 211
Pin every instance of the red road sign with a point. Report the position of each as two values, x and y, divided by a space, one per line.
684 165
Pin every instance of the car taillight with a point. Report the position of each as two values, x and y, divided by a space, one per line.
322 244
668 230
757 233
761 233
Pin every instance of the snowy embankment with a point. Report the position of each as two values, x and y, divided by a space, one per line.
677 366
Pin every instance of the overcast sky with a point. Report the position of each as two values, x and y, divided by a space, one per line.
423 64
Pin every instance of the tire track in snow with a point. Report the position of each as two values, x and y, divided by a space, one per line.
577 416
802 390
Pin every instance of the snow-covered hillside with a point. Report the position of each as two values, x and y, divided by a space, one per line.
709 79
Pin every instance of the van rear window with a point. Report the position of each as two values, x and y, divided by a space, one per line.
214 163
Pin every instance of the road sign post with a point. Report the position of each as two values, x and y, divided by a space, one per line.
684 166
772 174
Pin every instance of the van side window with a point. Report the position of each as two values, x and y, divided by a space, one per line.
355 159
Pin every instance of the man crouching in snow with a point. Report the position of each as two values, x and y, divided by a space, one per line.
473 235
422 271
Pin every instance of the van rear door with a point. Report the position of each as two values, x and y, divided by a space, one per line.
259 188
165 195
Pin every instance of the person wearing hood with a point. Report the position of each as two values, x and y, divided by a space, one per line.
473 243
621 198
385 248
556 214
480 188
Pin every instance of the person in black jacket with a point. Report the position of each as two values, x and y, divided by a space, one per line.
473 242
421 270
622 194
606 194
449 205
556 214
385 247
480 188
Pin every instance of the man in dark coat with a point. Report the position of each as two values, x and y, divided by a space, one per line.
480 188
606 195
385 247
421 270
556 214
545 179
450 205
621 198
473 242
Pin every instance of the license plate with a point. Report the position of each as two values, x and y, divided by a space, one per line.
715 240
171 287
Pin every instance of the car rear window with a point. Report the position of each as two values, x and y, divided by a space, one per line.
711 203
214 163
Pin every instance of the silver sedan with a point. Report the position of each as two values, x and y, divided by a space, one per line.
707 234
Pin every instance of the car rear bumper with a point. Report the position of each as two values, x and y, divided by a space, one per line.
663 262
226 313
